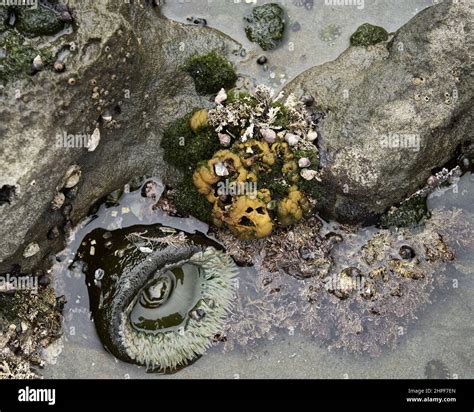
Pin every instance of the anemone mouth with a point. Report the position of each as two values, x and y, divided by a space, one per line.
169 300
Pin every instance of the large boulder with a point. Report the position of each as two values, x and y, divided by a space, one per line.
126 60
394 111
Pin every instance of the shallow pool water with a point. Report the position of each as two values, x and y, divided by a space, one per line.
444 331
314 34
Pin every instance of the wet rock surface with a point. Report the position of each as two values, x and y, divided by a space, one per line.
394 111
42 115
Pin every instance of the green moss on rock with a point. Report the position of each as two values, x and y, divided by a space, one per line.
274 180
183 148
189 202
407 214
18 57
3 18
367 35
38 22
265 26
211 72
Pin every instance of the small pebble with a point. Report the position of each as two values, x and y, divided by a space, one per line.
44 280
307 100
31 250
262 60
295 26
38 62
304 162
198 21
58 201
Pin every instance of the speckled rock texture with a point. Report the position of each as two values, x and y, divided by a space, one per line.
124 59
417 87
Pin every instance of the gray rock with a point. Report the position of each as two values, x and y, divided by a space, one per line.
417 86
131 56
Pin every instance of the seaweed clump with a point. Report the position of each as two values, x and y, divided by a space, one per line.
368 34
254 183
185 143
265 26
211 72
409 213
4 15
18 57
41 21
30 320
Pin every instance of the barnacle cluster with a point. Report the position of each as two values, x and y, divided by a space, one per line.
255 182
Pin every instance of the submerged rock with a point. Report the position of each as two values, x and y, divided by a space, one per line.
356 301
38 22
383 134
368 35
101 55
265 26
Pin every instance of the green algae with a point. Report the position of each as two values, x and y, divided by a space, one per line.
18 57
184 148
189 202
38 22
368 34
409 213
211 72
265 26
3 19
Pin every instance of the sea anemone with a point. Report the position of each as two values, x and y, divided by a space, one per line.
160 297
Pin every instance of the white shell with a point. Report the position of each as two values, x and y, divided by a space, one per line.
312 135
94 140
292 139
224 139
38 62
58 201
308 174
107 117
304 162
221 97
72 177
220 169
268 135
31 250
